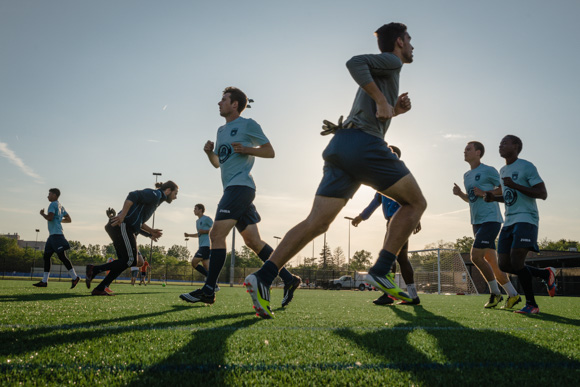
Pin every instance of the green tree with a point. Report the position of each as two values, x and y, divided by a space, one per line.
338 258
440 244
325 257
179 252
463 245
361 260
247 258
560 245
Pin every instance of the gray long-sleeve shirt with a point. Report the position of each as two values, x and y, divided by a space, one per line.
384 70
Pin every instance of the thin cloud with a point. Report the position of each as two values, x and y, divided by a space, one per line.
152 140
11 156
454 136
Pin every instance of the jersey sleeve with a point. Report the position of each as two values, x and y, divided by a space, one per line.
373 205
533 177
53 207
256 134
494 177
363 68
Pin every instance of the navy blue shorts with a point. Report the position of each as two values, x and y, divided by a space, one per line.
518 236
237 204
202 252
485 234
354 157
55 244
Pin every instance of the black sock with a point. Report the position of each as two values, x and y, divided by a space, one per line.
384 263
201 269
265 253
525 278
543 274
268 273
217 258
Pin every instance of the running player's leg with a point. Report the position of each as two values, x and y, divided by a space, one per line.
47 263
408 274
197 264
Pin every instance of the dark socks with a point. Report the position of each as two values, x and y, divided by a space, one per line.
525 278
201 269
217 258
268 273
384 263
115 269
543 274
284 274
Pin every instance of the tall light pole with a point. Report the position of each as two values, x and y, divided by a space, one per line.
156 174
349 223
186 239
277 240
34 254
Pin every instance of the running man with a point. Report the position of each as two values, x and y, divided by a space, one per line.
238 143
56 242
390 207
200 261
486 221
358 154
123 229
144 268
520 186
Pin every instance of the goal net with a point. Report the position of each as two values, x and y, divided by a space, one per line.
440 271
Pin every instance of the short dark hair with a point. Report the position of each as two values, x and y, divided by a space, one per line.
55 191
478 147
167 184
236 95
201 207
396 150
516 140
387 36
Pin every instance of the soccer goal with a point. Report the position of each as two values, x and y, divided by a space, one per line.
440 271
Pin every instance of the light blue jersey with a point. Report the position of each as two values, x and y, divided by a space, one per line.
235 167
485 178
520 208
203 223
54 225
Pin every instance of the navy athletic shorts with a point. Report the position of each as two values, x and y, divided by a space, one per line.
55 244
485 234
518 236
237 204
202 252
354 157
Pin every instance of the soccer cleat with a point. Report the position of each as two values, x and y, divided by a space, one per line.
511 302
551 283
383 300
289 290
108 290
75 282
97 292
89 276
494 300
260 294
217 288
198 296
387 284
528 309
40 284
415 301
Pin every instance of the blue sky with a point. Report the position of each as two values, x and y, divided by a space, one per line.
96 96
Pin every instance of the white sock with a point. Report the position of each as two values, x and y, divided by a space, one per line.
412 291
509 289
45 276
73 273
493 287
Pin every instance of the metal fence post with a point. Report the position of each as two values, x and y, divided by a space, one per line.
438 271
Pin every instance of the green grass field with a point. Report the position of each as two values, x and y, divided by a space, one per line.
148 336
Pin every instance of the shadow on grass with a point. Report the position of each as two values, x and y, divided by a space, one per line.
442 351
38 297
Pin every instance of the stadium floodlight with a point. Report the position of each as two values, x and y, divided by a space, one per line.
156 174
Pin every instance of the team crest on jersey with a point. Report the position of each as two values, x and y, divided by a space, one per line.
510 197
224 153
471 194
477 177
234 132
515 175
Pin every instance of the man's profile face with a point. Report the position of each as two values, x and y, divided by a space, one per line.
226 106
507 148
407 49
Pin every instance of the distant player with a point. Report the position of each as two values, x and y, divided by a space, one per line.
200 261
135 272
390 207
357 154
144 268
123 229
521 185
238 143
56 242
486 220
